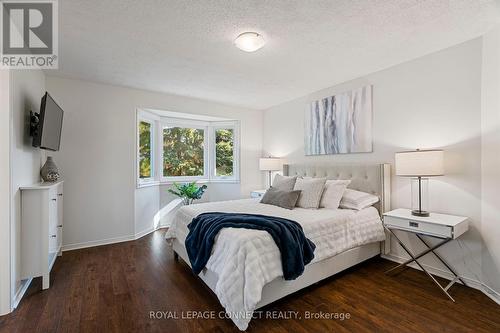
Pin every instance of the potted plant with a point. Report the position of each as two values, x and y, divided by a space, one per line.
188 192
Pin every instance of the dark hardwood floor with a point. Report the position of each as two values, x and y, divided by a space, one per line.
114 288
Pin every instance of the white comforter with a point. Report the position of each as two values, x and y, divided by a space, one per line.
245 260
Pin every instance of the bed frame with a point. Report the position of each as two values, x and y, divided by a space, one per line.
372 178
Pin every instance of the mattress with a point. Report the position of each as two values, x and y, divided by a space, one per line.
245 260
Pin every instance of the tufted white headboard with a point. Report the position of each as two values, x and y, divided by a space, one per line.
370 178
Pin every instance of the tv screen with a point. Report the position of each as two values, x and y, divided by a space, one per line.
48 133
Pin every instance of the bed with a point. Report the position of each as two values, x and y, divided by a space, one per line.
244 269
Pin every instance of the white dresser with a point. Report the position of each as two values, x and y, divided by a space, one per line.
41 229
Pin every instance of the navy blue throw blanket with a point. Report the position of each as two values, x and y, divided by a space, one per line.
296 250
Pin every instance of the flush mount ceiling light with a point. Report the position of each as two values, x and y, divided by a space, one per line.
249 41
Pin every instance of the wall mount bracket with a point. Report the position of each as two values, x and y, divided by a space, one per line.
34 121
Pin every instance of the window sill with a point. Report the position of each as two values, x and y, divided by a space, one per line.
199 181
147 184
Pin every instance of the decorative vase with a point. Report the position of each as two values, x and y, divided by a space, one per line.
49 171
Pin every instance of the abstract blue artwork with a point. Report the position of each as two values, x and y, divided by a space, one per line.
340 124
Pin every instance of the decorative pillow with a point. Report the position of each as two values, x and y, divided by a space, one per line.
283 199
357 200
312 189
334 189
284 183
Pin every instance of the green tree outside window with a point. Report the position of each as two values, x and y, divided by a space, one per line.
224 141
183 151
144 149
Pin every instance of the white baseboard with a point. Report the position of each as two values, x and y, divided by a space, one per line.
20 292
148 231
495 296
488 291
107 241
145 232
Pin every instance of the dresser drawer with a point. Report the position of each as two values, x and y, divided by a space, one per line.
53 210
53 241
418 226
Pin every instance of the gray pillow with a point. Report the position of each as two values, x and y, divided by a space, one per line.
284 183
283 199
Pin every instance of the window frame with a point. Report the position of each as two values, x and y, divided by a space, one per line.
150 119
209 149
234 125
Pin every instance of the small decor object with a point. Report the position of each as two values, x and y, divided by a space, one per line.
188 192
49 171
270 164
420 165
340 124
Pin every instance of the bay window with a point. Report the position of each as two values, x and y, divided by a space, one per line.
186 150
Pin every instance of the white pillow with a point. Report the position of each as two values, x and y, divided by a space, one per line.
311 191
357 200
334 189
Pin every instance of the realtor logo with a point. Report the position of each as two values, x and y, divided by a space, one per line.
29 34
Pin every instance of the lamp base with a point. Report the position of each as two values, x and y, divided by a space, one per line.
420 213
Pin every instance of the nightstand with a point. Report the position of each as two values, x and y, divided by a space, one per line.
441 226
257 193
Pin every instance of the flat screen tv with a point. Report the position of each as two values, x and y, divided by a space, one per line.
48 130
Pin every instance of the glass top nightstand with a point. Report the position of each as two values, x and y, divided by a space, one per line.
257 193
441 226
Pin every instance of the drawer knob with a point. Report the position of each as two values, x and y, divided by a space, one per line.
60 194
53 236
54 199
59 226
413 224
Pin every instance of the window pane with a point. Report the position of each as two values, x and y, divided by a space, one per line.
183 151
144 150
224 140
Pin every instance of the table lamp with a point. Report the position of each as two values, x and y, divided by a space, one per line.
419 165
270 164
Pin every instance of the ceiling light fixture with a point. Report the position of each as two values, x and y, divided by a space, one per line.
249 41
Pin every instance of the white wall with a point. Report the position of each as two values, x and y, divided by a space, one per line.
5 298
97 158
431 102
490 226
26 90
147 208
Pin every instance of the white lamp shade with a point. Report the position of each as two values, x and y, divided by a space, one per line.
270 164
420 163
